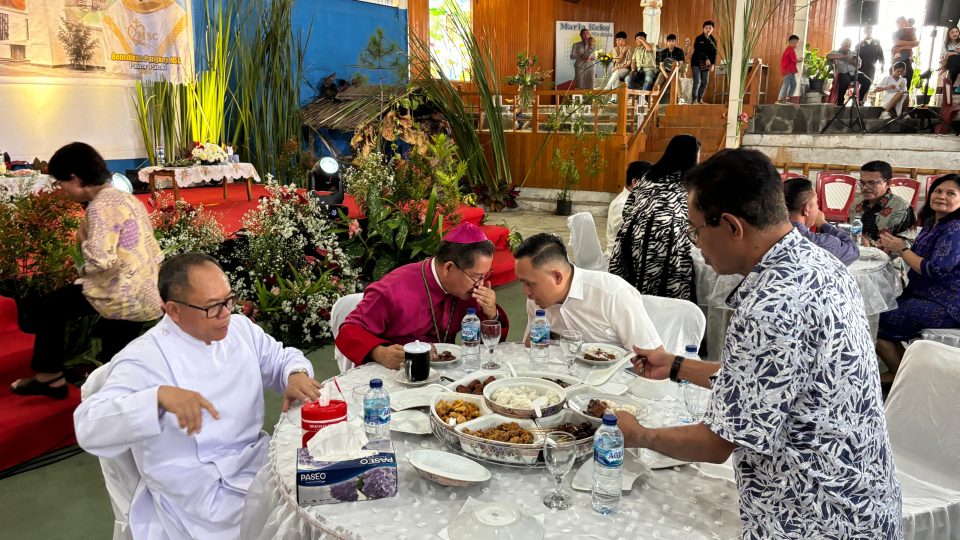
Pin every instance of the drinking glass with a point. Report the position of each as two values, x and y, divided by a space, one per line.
559 453
571 341
695 398
490 333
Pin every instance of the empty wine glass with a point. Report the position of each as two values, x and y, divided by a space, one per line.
571 341
490 333
559 453
695 398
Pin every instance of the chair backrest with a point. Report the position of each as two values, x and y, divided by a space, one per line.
922 414
836 192
788 175
120 473
907 189
338 313
926 188
679 322
585 243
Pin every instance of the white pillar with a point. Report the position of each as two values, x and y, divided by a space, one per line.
801 22
651 21
735 73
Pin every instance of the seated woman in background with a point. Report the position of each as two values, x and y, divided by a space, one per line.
932 298
652 251
118 280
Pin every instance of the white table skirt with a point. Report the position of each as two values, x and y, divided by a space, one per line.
196 174
672 503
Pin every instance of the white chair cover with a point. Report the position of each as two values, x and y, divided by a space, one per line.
585 243
922 414
338 314
679 322
120 474
904 192
837 194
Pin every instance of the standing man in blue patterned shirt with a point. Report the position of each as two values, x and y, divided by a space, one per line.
796 397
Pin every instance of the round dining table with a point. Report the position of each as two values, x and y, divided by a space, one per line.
671 500
877 278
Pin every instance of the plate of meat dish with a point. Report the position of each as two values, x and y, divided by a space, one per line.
600 354
445 354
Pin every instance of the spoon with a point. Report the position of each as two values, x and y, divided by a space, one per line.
513 371
537 403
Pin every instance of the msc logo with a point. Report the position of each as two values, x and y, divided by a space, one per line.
138 34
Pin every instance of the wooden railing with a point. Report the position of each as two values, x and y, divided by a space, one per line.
654 108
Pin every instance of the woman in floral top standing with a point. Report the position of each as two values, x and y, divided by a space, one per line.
118 279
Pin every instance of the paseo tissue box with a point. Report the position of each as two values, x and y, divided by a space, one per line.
359 479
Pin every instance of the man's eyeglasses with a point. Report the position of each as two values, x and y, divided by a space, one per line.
693 232
477 280
213 310
870 183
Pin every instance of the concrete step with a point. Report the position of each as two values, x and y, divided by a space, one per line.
597 203
688 121
702 133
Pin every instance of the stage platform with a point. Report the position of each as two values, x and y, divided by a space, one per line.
812 118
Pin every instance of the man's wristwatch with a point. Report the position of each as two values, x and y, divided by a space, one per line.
299 370
675 368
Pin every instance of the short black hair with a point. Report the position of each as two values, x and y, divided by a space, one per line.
174 276
82 160
640 34
797 192
708 23
636 170
621 34
582 30
793 37
671 37
900 65
463 255
741 182
882 167
542 248
926 213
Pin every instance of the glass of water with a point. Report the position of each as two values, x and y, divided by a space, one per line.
559 453
695 398
571 341
490 333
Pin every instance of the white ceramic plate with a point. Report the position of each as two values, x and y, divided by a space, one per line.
401 378
412 422
614 389
414 397
611 349
446 347
580 401
447 469
632 469
656 460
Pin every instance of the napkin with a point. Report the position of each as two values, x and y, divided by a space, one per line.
467 505
340 442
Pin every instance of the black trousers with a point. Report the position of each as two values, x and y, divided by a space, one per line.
953 69
49 321
844 80
871 73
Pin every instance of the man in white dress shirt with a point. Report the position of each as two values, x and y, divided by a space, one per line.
635 172
199 367
602 306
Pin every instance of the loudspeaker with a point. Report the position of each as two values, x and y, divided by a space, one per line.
861 12
942 13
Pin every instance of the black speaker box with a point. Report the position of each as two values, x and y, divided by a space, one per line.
861 12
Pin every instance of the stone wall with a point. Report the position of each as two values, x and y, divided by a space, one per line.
921 151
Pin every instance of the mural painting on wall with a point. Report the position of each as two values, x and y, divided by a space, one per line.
576 58
126 39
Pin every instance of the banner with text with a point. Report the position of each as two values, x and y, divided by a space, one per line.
576 64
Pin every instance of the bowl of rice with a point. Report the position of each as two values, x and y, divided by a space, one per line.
514 397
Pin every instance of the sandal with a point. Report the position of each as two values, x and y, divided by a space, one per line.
32 387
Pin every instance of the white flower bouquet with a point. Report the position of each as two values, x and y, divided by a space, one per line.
208 153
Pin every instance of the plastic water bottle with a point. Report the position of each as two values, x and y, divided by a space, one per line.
161 156
470 340
540 337
607 466
376 412
856 230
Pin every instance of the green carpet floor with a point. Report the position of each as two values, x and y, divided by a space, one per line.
68 500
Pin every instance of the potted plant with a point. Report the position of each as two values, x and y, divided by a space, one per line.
527 79
816 68
566 167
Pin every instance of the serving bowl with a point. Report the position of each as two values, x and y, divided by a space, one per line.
443 430
502 452
540 385
584 446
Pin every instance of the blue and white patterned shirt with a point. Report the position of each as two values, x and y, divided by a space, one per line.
798 392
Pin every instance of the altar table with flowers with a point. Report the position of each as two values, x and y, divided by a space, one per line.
179 177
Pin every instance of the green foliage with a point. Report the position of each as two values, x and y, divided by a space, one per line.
381 54
586 145
816 65
527 78
77 40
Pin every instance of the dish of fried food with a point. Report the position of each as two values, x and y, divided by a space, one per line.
596 407
583 430
475 386
599 355
510 432
562 383
445 356
460 410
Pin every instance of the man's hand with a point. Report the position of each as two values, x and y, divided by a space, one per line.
487 299
652 364
300 387
391 356
821 219
186 405
891 244
633 432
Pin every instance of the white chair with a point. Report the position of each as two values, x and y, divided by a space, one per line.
338 314
585 243
679 322
120 474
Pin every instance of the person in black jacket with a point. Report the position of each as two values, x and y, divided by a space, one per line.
702 60
870 52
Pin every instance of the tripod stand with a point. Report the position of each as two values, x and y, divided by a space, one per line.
855 96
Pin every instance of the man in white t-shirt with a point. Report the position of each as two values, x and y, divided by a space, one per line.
894 88
635 172
602 306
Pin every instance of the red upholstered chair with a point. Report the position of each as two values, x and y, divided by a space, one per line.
788 175
907 189
836 192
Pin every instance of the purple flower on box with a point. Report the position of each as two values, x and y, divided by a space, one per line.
380 483
345 491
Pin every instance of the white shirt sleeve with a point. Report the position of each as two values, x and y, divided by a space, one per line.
631 321
276 361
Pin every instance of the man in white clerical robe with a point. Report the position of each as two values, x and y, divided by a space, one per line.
603 307
186 400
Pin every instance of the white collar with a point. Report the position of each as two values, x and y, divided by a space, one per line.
576 285
433 267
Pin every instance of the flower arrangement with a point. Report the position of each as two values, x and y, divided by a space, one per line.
180 227
604 57
291 266
208 153
528 77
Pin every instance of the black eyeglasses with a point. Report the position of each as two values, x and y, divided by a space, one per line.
477 281
213 310
693 232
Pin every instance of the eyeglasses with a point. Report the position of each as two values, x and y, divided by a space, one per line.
693 232
477 281
213 310
870 183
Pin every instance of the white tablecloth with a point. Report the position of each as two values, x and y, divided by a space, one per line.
878 280
11 185
196 174
672 503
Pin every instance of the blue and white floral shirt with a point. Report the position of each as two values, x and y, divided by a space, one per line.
798 392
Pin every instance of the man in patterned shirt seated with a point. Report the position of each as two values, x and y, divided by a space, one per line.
796 397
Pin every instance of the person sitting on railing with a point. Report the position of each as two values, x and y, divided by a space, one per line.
643 66
621 61
669 59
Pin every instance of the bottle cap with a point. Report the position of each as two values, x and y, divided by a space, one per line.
376 383
691 348
541 313
471 311
609 419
